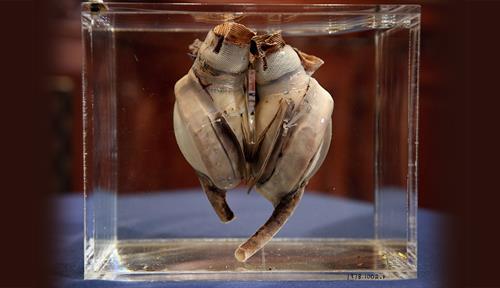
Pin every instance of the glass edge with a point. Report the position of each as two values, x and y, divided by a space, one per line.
409 8
413 145
87 235
285 276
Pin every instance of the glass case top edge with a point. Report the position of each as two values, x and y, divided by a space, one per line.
248 8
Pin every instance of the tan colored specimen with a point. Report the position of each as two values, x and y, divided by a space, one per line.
292 122
208 112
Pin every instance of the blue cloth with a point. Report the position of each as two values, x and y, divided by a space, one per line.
348 218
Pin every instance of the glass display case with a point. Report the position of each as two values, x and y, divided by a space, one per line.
146 215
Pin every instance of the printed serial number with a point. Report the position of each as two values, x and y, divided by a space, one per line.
365 276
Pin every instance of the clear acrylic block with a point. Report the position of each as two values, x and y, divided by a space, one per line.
146 218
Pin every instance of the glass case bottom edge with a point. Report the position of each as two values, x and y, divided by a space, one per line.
282 259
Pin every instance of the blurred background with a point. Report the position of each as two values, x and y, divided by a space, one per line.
458 151
66 110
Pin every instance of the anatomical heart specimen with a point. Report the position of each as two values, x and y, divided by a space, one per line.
249 112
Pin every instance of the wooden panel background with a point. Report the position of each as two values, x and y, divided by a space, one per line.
433 108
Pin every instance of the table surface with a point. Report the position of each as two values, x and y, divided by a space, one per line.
69 236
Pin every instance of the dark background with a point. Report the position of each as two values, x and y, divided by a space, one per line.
339 177
458 123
